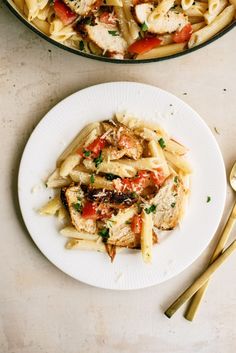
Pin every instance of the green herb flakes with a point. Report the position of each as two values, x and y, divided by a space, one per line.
104 233
114 33
176 180
98 160
92 178
162 143
151 209
173 204
77 206
144 27
208 199
86 153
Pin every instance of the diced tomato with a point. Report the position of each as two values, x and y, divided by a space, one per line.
183 35
136 224
89 211
66 15
96 146
125 142
137 183
144 45
107 18
158 177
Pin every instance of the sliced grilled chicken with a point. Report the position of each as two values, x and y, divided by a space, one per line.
124 237
166 23
169 203
124 139
81 7
73 196
107 37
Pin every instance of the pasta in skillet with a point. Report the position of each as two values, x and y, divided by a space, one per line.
129 29
116 184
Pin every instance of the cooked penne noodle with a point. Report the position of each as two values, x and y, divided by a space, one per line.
132 25
221 21
85 245
117 168
209 17
59 32
197 9
56 181
85 178
42 25
162 8
118 3
20 4
178 162
78 141
197 26
69 164
134 123
62 214
160 52
142 163
34 7
213 6
195 19
119 11
51 207
157 151
146 237
71 232
186 4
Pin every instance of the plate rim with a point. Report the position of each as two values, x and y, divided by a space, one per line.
197 116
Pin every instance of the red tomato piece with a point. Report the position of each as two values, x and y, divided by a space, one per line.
89 211
144 45
183 35
137 183
107 18
66 15
158 177
136 224
96 146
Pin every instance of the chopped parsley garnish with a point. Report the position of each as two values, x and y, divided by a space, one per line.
86 153
104 233
127 222
151 209
173 204
92 178
98 160
162 143
77 206
208 199
114 33
111 176
144 27
176 179
133 195
81 45
88 21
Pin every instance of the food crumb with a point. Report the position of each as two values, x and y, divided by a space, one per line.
184 94
216 130
208 199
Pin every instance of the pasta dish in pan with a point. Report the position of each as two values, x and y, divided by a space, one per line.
116 184
129 29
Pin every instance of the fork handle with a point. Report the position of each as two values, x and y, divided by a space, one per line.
198 296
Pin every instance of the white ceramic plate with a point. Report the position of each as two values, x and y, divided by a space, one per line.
177 249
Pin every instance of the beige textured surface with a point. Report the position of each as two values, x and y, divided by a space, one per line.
41 309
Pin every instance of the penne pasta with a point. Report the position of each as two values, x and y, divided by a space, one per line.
71 232
213 6
221 21
157 151
116 168
186 4
85 245
78 141
69 164
51 207
209 17
56 181
146 237
160 52
178 162
142 163
85 178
